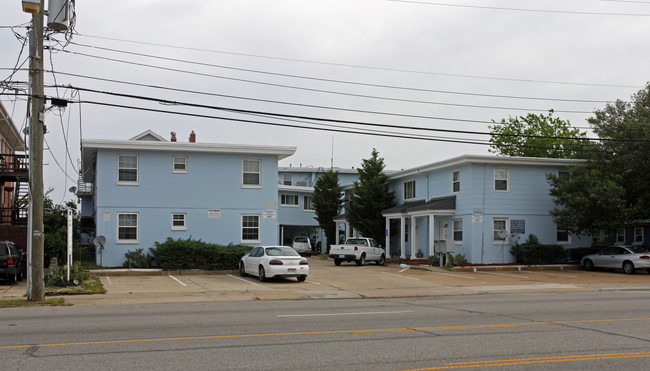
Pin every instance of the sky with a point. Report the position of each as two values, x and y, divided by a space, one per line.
333 78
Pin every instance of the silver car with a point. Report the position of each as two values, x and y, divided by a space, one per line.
627 258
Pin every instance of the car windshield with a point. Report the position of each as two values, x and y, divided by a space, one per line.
281 251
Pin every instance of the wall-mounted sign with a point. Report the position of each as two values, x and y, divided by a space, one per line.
518 226
270 213
214 213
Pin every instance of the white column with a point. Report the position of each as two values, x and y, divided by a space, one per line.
387 245
402 237
414 238
432 229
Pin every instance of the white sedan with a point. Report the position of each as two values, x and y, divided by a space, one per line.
274 261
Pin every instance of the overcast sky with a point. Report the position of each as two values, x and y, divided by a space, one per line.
451 65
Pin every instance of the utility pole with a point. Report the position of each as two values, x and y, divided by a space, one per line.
36 132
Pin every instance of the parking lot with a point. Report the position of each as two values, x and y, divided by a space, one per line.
346 281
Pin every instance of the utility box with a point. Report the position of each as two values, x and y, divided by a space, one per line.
441 246
58 15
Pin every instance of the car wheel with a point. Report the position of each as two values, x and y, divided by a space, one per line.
242 270
262 275
361 261
382 260
628 267
337 261
648 270
12 278
301 278
589 265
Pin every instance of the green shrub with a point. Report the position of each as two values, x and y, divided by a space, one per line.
196 254
455 260
577 253
59 276
434 261
532 252
136 259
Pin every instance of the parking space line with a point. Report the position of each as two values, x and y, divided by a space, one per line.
108 278
453 275
399 275
551 274
503 274
242 279
341 314
318 283
177 280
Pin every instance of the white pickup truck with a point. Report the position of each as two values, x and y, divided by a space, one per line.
359 249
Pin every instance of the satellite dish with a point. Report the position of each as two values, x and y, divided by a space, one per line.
503 234
72 189
99 241
514 237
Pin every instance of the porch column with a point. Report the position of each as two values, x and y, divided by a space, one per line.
414 237
387 231
402 232
281 235
432 230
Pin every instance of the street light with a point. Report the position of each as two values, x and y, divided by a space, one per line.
31 6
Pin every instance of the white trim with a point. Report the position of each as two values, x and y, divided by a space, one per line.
634 241
617 242
284 179
558 242
453 230
404 190
259 172
179 171
241 228
148 132
283 197
137 169
137 228
497 241
460 187
494 179
179 228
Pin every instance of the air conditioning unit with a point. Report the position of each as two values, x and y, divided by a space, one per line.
302 183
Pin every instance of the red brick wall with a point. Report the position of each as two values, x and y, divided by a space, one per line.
16 234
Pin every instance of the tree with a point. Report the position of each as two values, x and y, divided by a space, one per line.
55 225
327 203
537 136
370 196
612 189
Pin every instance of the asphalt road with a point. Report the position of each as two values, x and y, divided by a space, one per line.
576 330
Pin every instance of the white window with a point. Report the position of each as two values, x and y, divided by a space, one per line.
620 236
308 205
409 190
127 169
250 228
127 227
179 221
455 181
638 235
563 175
179 164
252 173
499 226
287 179
458 230
562 236
595 235
501 179
289 200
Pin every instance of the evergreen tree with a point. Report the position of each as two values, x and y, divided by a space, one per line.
370 196
327 203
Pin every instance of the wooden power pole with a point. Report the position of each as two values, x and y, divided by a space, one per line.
36 132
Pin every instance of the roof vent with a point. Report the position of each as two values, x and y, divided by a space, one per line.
192 137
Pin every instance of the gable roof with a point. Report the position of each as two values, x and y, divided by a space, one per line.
149 135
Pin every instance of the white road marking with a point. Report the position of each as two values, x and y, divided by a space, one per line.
242 279
503 274
399 275
108 278
177 280
453 275
318 283
342 314
552 274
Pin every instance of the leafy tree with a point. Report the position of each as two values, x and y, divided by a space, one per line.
327 203
537 136
55 225
612 189
370 196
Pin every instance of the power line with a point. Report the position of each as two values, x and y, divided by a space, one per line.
522 9
341 81
282 115
317 90
362 66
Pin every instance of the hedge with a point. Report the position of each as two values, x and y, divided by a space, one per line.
196 254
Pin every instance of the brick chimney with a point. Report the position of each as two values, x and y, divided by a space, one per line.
192 137
173 136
